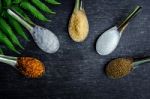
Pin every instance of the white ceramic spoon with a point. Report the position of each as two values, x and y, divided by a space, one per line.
44 38
9 60
27 69
109 40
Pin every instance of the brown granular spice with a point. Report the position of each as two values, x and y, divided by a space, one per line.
30 67
119 68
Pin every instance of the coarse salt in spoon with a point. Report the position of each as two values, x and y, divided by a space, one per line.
109 40
44 38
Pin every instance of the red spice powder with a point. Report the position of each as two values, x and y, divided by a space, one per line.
30 67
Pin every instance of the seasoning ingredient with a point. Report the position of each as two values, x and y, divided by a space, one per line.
109 40
30 67
45 39
103 45
119 68
78 25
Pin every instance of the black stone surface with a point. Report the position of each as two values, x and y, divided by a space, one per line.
76 71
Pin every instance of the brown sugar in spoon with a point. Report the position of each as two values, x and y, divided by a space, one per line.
121 67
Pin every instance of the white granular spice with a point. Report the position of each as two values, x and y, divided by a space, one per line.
108 41
45 39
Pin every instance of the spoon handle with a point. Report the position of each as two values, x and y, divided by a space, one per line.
129 17
8 57
136 63
79 5
18 18
8 61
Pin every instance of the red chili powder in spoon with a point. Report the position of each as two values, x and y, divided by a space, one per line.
30 67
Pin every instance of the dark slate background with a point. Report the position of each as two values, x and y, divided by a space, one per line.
76 71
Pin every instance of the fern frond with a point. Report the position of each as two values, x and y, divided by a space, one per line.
1 51
0 5
4 14
17 27
7 42
8 31
21 13
6 3
16 1
33 11
42 6
53 2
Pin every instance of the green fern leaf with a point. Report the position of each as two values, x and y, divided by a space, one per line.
7 29
21 13
7 42
0 5
6 3
1 51
53 2
16 1
33 11
17 27
42 6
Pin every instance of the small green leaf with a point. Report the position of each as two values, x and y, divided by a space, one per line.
7 42
53 2
33 11
6 3
42 6
17 27
0 5
21 13
16 1
1 51
8 31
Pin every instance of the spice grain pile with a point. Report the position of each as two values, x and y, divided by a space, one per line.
119 68
30 67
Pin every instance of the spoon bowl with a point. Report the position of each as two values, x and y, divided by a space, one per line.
39 35
103 45
121 67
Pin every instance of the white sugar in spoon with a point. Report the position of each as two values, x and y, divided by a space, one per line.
109 40
44 38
